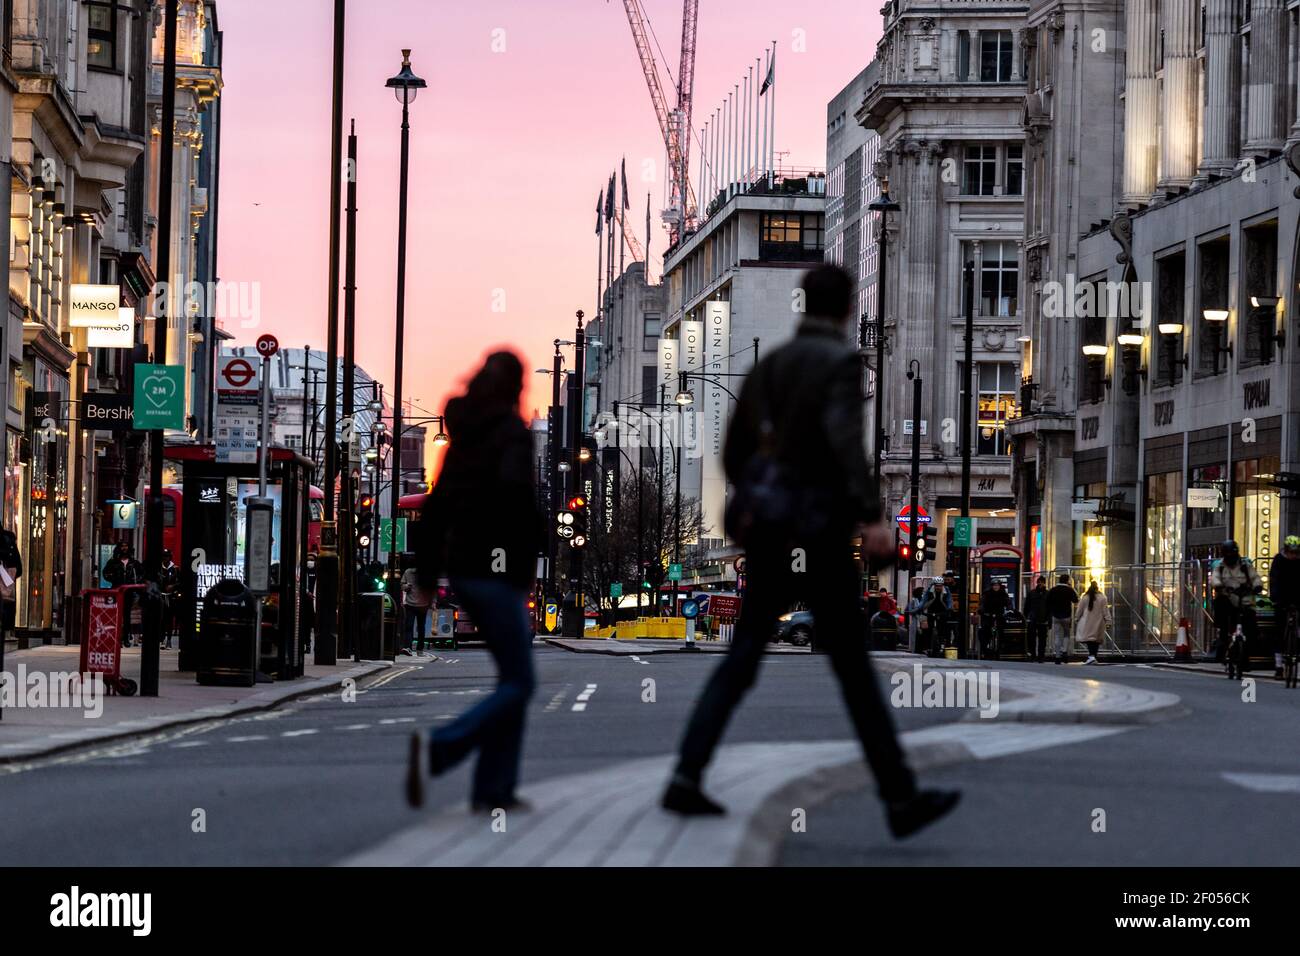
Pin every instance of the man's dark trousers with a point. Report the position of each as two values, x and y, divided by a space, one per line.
1036 644
828 581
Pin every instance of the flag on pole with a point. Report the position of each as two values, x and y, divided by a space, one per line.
771 75
626 203
600 201
609 196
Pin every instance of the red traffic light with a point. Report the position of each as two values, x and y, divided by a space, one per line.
367 502
576 502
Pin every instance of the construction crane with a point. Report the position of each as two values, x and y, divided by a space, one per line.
674 124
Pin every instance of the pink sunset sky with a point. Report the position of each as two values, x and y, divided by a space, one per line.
508 152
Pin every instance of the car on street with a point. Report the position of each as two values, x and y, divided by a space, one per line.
796 627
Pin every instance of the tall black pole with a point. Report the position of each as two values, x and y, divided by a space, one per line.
556 476
880 359
308 420
332 331
347 628
578 394
914 373
400 326
154 518
967 396
327 562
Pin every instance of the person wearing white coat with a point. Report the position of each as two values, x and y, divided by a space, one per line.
1092 620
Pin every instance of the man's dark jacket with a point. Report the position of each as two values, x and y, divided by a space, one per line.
1036 604
810 389
1061 600
481 520
1284 581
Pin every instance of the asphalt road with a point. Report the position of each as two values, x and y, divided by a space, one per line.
320 778
1162 789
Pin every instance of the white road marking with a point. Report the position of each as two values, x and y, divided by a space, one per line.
390 676
398 720
355 727
247 738
1265 782
190 743
583 697
300 733
555 702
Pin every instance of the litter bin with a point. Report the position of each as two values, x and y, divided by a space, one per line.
371 622
884 632
1014 635
227 643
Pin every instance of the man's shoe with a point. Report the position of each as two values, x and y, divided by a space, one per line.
687 799
1059 659
1091 660
907 817
416 769
1277 674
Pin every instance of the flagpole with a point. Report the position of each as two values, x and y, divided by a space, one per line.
647 237
600 252
758 120
763 95
771 117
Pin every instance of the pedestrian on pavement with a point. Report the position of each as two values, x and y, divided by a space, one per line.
1037 618
915 615
415 607
1061 600
11 569
955 607
169 585
794 455
1093 620
123 569
1284 592
490 556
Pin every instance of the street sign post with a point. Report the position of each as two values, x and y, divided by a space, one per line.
963 533
674 572
386 535
616 589
236 424
159 397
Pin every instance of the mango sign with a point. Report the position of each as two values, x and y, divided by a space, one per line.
91 305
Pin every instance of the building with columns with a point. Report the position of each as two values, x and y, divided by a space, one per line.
1171 324
1073 173
947 106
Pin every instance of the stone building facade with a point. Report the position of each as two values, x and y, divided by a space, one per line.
947 107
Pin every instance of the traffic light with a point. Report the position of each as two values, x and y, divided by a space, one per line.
902 548
564 522
578 512
925 539
365 526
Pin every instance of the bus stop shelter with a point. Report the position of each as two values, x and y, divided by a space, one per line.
213 495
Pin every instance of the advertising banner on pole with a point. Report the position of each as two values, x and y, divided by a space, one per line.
691 359
713 414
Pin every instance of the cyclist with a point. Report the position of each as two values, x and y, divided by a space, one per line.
993 608
1284 589
1235 583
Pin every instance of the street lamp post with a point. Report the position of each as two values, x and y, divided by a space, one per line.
884 205
406 85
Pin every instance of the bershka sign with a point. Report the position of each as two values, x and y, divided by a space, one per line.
107 410
91 305
133 911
